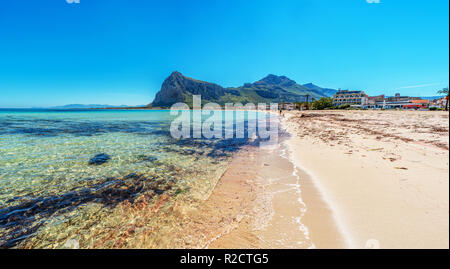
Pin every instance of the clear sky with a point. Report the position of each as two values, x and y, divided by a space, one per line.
120 51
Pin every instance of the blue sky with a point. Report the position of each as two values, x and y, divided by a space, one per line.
120 51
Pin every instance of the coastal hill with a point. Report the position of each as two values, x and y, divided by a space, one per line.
272 88
320 90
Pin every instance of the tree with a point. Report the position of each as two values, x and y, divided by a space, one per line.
322 103
307 101
444 91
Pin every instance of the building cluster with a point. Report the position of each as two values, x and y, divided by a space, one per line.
359 99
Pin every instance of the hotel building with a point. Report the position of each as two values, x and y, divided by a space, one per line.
342 97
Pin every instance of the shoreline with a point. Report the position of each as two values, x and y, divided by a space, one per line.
318 199
283 207
326 231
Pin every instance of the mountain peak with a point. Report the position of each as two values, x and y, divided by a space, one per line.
177 87
175 74
276 80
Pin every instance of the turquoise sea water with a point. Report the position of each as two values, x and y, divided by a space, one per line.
50 193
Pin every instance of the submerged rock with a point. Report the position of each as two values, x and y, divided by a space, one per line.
146 158
99 159
132 175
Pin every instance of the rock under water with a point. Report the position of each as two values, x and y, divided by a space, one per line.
99 159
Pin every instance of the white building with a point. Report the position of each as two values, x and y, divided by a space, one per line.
358 98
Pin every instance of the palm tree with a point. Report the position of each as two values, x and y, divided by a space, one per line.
307 101
444 91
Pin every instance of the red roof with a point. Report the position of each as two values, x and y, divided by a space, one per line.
420 101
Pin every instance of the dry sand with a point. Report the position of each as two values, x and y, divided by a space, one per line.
384 174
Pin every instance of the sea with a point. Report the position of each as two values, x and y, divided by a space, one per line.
81 178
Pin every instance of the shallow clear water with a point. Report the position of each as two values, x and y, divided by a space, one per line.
50 193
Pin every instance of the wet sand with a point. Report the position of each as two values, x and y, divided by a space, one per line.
281 207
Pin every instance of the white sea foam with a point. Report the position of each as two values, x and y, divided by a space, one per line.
349 241
297 186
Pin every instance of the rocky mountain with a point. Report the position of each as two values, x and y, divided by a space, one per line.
178 88
272 88
326 91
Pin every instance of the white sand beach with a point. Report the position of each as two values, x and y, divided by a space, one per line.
343 179
384 174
